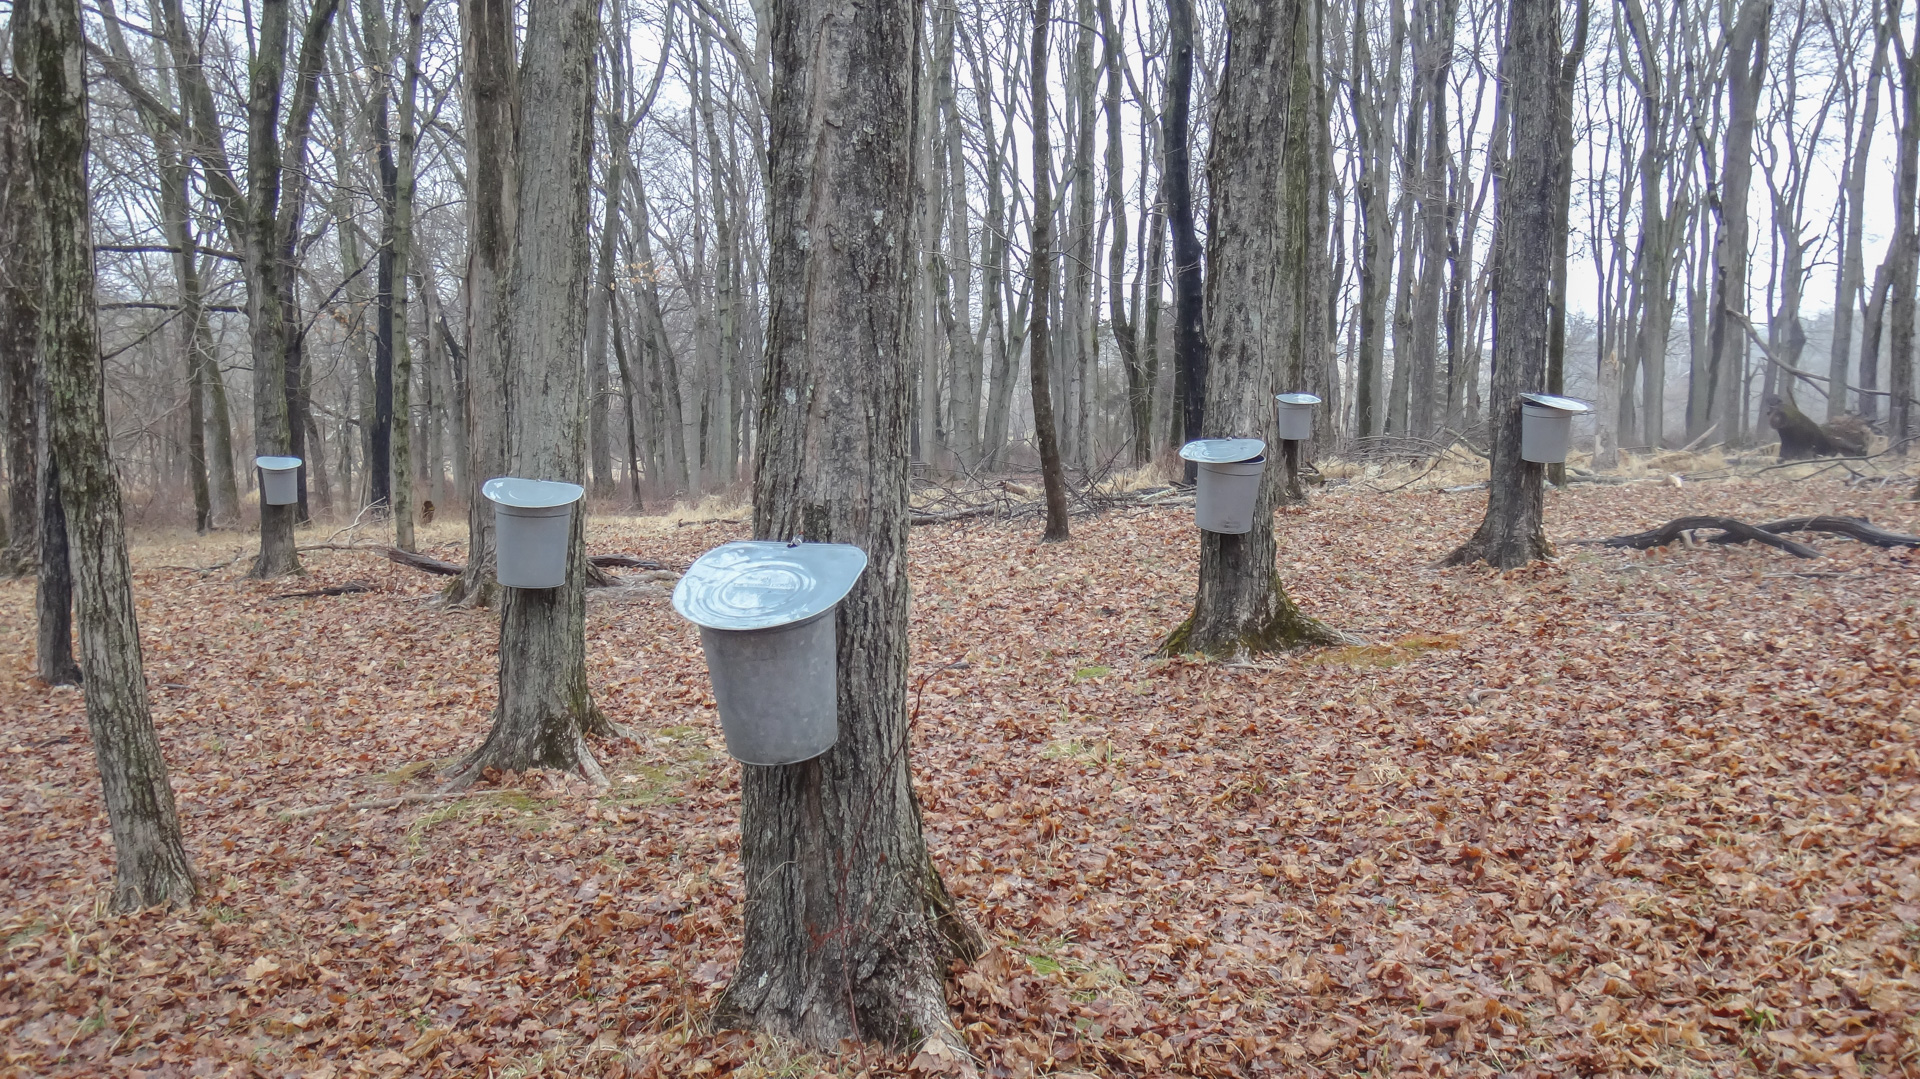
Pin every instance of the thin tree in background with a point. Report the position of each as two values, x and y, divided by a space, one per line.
1513 532
545 710
150 861
849 931
1045 428
1189 297
1259 310
489 106
19 270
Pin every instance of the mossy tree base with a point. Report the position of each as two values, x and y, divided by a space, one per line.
1283 628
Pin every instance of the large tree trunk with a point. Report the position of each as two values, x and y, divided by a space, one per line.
1512 533
488 50
848 928
545 710
53 585
19 271
1259 237
150 863
1052 473
1189 296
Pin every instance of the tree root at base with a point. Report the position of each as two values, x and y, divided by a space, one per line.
1286 629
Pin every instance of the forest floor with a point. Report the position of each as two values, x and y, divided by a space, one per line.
1636 812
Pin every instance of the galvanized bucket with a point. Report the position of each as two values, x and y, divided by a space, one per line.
279 480
531 520
1546 426
766 612
1229 475
1296 416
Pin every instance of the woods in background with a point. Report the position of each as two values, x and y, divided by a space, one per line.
301 239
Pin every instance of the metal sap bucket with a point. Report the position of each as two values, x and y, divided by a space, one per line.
766 612
279 480
1229 482
531 521
1296 416
1546 426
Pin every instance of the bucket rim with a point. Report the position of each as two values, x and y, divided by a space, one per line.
766 584
1569 405
1222 451
515 492
1296 399
278 464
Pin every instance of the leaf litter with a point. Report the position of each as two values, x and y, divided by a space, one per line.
1622 813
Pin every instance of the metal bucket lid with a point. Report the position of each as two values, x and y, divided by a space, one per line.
1296 399
277 464
516 493
1222 451
1558 404
761 584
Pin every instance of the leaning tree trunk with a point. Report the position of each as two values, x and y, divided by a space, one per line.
1258 310
545 710
1189 296
848 928
150 861
1512 533
18 329
488 49
1045 426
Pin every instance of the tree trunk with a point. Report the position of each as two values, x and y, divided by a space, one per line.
1716 402
1374 259
1851 268
150 861
489 78
1189 297
19 326
1435 56
545 710
1512 533
1258 310
400 464
1905 252
53 591
1052 474
848 928
1562 89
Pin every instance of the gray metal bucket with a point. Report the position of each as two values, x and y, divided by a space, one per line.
279 480
1226 496
766 612
777 689
1296 416
1546 426
531 520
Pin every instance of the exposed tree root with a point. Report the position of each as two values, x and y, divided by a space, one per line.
1283 629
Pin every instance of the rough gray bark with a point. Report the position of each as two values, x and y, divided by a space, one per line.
1512 533
848 928
150 861
19 544
1258 309
1374 260
1434 56
400 464
545 709
489 82
1052 473
53 660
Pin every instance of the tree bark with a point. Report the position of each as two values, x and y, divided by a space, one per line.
150 861
19 327
1258 310
1512 533
489 83
1052 473
400 237
53 586
848 928
1717 392
1851 267
1905 254
545 709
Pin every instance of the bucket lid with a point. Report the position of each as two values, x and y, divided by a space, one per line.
1558 404
277 464
1296 399
761 584
531 494
1223 451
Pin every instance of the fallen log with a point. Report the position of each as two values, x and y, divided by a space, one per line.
1851 527
1734 532
348 589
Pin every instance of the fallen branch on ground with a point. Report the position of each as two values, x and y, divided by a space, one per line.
375 803
348 589
1733 531
429 564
